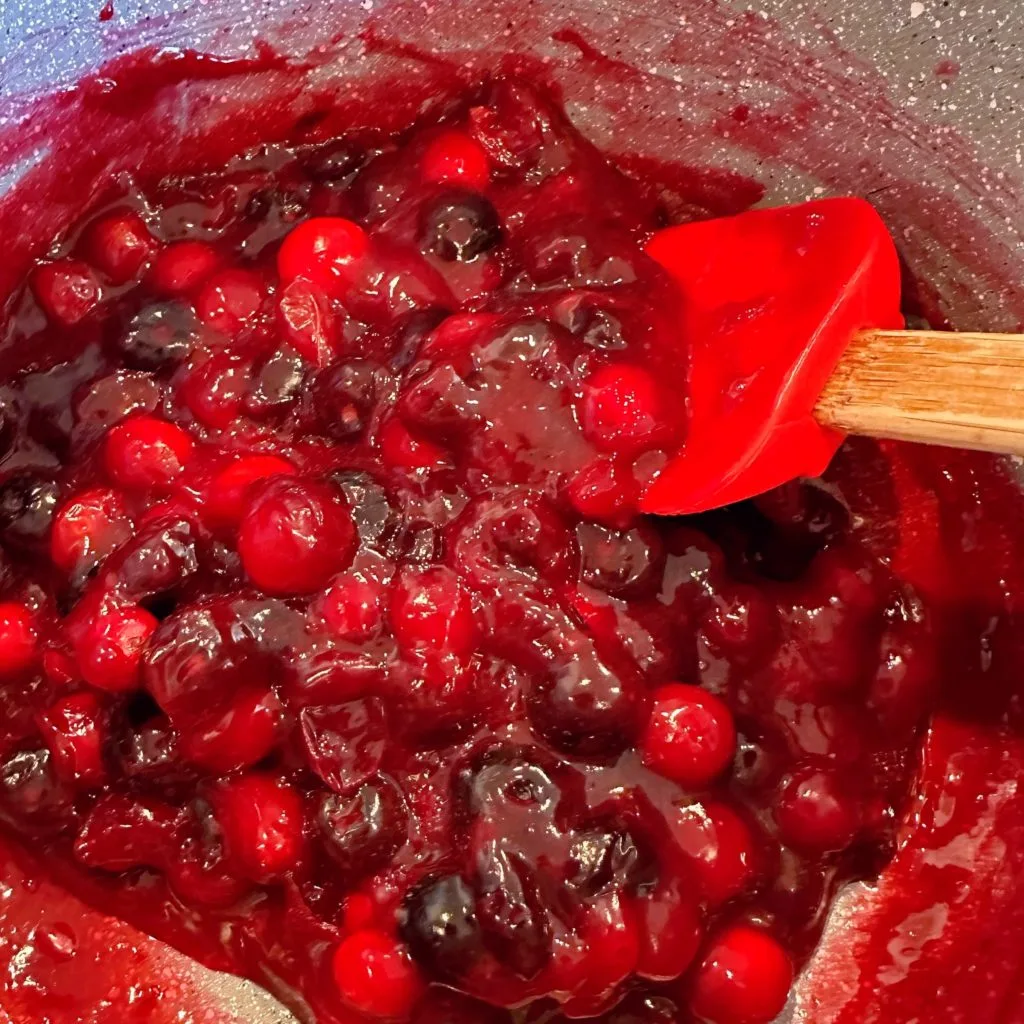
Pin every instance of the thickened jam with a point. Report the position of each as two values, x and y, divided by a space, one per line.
334 650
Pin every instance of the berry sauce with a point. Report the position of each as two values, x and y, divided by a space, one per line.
334 650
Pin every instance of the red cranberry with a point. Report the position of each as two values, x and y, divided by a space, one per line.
670 931
119 244
231 301
352 607
376 977
401 450
215 389
720 846
623 409
295 535
198 872
262 822
236 736
87 529
324 251
310 323
144 453
604 491
110 650
229 493
454 158
181 267
124 832
67 290
690 736
75 730
744 978
431 610
362 832
344 744
19 639
815 814
741 621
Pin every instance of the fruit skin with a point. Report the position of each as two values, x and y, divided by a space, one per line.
67 290
295 535
690 736
18 639
181 267
88 528
744 978
75 730
119 244
376 976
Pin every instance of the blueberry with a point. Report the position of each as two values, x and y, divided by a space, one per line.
159 337
27 506
441 927
459 226
363 831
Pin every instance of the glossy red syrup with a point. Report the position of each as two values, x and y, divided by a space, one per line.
334 650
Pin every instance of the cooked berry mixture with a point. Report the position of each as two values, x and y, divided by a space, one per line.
332 645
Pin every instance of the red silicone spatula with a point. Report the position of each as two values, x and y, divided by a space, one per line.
791 317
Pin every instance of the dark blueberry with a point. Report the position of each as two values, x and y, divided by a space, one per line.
584 707
516 925
343 397
31 795
278 383
597 327
159 337
459 226
27 506
155 562
333 161
440 926
505 774
365 830
410 332
610 860
372 511
8 428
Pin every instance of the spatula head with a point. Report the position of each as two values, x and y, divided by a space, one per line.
769 301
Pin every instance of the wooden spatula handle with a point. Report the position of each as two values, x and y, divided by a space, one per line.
963 390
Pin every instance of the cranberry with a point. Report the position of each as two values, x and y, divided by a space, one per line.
216 388
198 871
309 321
295 536
743 979
67 290
670 931
623 409
459 226
111 648
114 397
87 529
19 639
720 846
454 158
430 609
144 453
231 301
401 450
75 730
323 250
352 607
604 491
119 244
125 832
229 492
159 336
344 744
690 736
362 832
181 267
238 735
262 821
376 976
815 814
